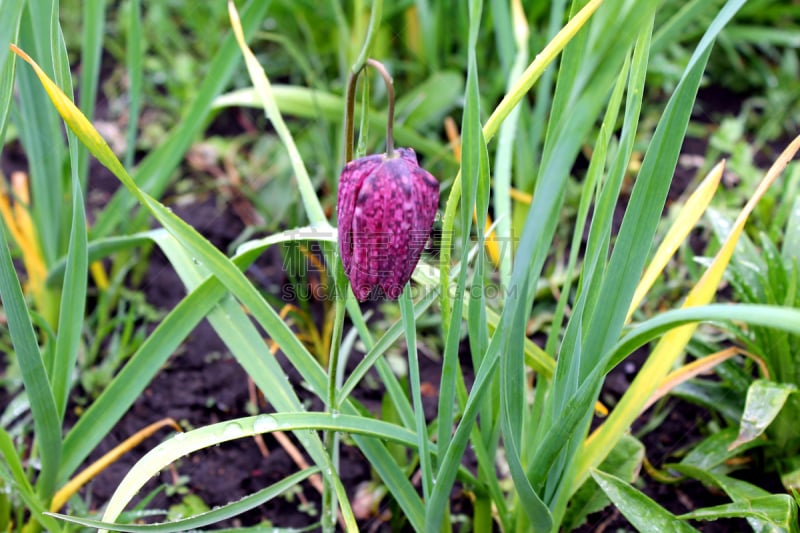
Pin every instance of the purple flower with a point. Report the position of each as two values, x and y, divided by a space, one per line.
386 208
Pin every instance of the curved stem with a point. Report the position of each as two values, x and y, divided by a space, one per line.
377 65
350 105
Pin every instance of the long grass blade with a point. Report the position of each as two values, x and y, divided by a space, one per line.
73 296
783 318
409 326
94 19
689 216
183 444
492 125
470 165
129 383
45 153
134 59
632 244
9 30
34 376
505 145
576 105
246 344
217 514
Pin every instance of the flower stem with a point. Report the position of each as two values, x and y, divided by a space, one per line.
350 105
377 65
341 283
330 437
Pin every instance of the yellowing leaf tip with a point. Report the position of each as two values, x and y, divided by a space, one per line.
14 48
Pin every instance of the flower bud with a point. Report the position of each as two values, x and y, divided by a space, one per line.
386 207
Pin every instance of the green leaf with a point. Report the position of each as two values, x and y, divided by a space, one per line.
129 383
474 172
37 123
641 511
203 255
744 494
183 444
791 242
134 59
263 88
73 297
423 443
714 450
737 489
12 11
779 510
630 253
772 316
9 28
624 462
472 139
378 349
765 399
190 505
92 30
712 395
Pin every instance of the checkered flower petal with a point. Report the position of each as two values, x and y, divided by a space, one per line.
386 208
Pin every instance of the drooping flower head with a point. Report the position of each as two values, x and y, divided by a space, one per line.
386 208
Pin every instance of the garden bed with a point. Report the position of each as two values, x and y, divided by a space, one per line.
605 173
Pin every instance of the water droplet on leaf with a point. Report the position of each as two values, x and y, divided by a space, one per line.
232 431
265 424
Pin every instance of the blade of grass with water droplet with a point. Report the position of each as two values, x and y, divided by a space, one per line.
643 513
213 516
